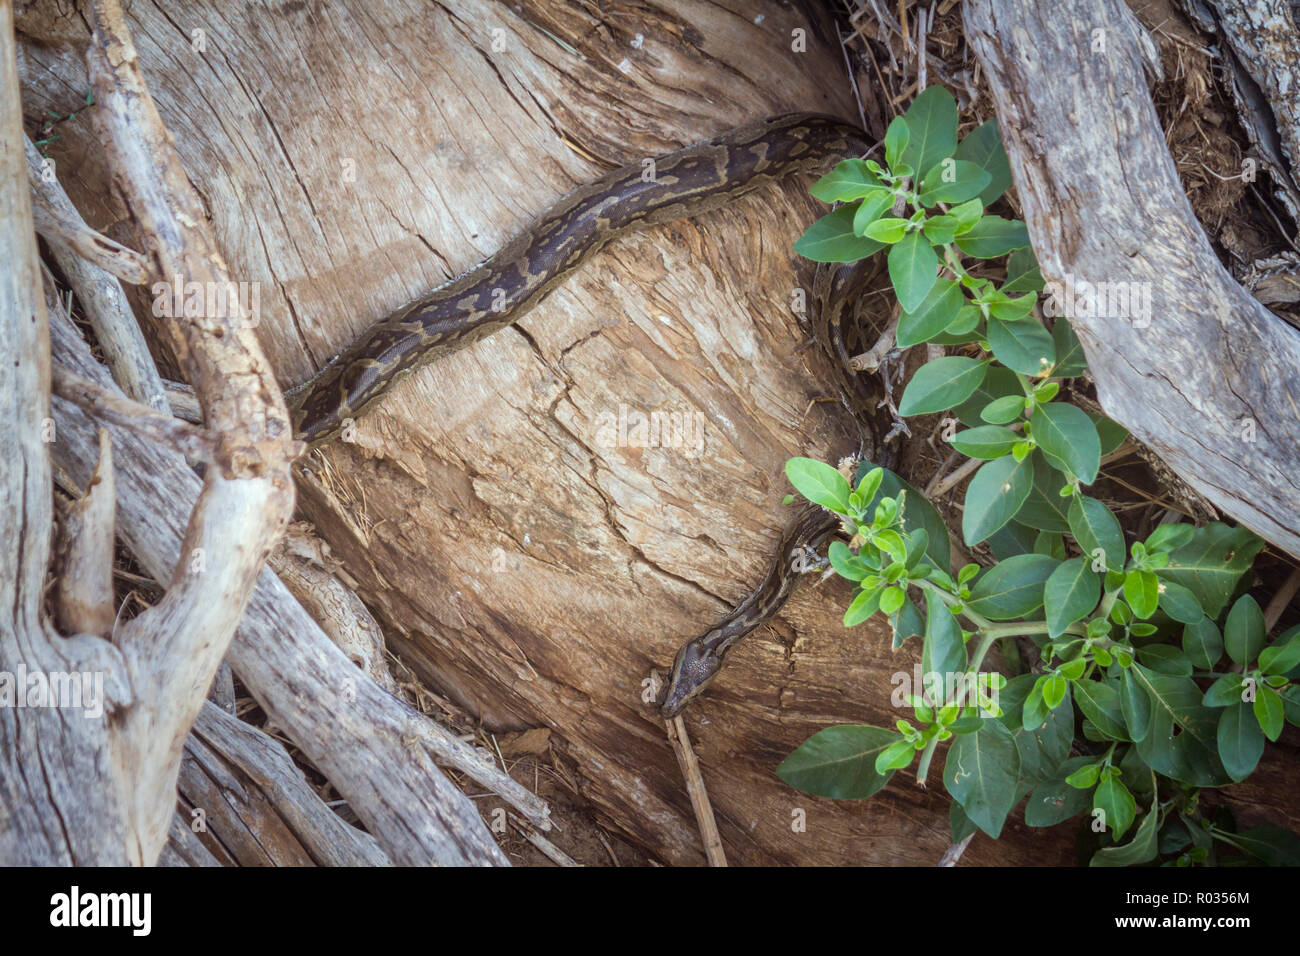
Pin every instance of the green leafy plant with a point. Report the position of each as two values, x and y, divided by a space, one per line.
1132 636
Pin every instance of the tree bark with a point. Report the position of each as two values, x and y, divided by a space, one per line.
523 553
1212 381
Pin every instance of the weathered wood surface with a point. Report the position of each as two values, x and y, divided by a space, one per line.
521 559
1209 378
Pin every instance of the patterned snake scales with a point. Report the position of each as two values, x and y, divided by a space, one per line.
497 292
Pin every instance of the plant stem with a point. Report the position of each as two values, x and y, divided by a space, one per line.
923 768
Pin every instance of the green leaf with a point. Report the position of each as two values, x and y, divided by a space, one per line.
1142 849
869 481
839 762
1012 309
994 496
1180 603
887 230
895 757
1212 563
1165 659
1071 593
941 384
845 563
952 181
1013 539
1034 713
1025 346
1096 529
1055 687
1181 738
1224 692
1070 360
963 329
862 607
1022 272
913 269
998 382
1274 845
1202 643
870 210
907 623
967 214
896 139
1045 742
1241 742
832 239
1113 799
1112 435
981 773
1141 591
1065 433
1268 711
943 652
1012 588
819 483
993 236
1244 632
1169 537
1282 658
892 599
1135 706
1003 411
1100 704
960 824
848 181
1085 778
1044 508
932 120
983 147
940 230
917 513
986 441
1050 544
1054 801
932 316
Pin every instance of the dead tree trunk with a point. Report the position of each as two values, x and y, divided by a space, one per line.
1212 382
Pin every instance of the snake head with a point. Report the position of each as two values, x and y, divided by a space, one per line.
693 670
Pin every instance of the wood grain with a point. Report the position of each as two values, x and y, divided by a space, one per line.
522 561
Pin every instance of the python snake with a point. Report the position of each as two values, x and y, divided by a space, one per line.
504 287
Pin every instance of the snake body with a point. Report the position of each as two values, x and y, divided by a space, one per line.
507 285
504 287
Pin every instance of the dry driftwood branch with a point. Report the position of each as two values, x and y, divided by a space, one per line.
301 563
110 405
83 805
102 299
62 226
83 597
182 402
257 804
1263 35
1207 377
374 748
173 649
184 848
699 794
